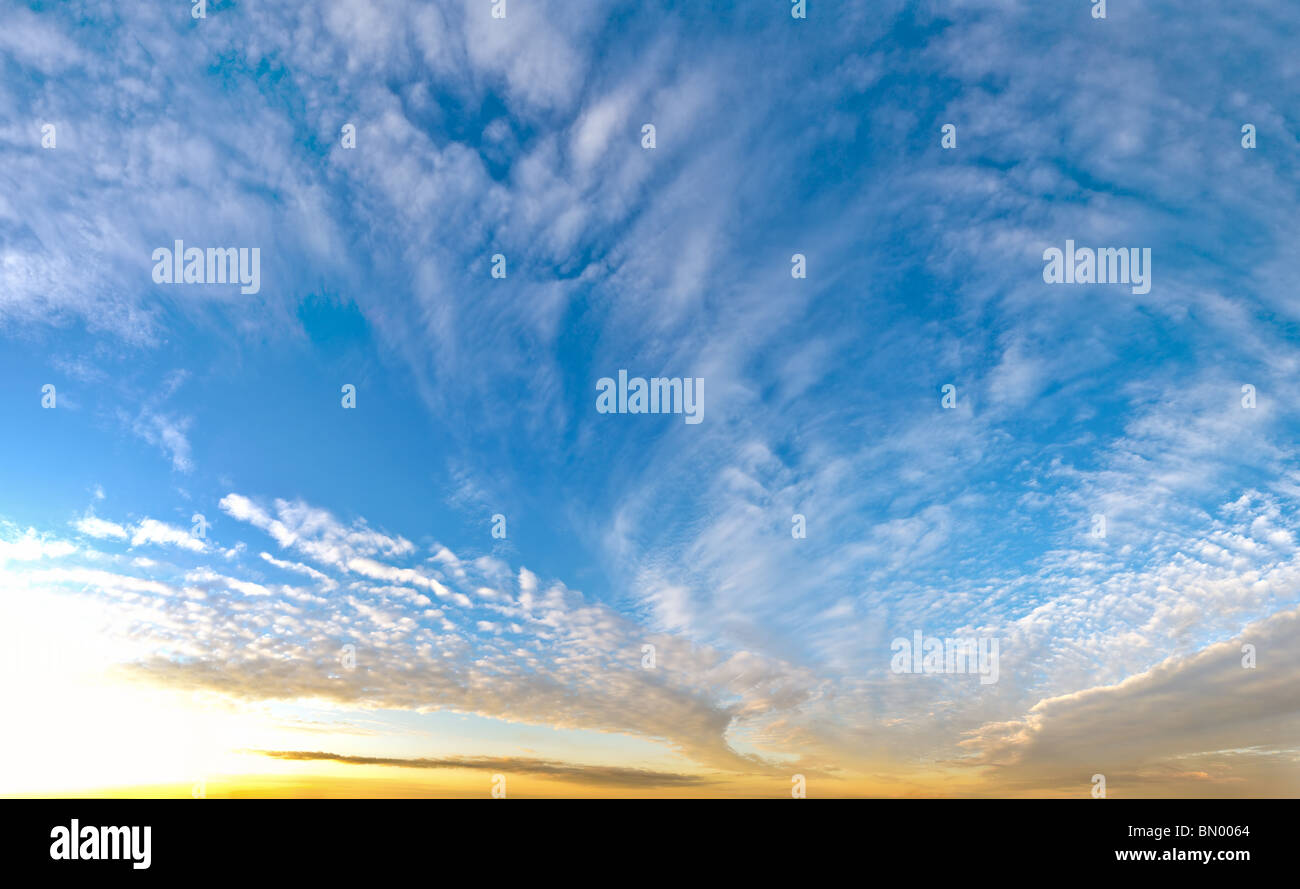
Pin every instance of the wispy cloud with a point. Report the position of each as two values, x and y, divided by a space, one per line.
475 136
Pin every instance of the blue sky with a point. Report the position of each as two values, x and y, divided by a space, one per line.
521 136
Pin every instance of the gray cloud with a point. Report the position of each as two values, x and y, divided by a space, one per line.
1201 724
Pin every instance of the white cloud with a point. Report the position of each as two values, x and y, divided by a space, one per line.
31 546
327 582
96 527
316 532
156 532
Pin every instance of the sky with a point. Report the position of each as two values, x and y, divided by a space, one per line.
223 572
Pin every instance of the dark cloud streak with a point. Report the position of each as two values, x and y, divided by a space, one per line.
605 775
